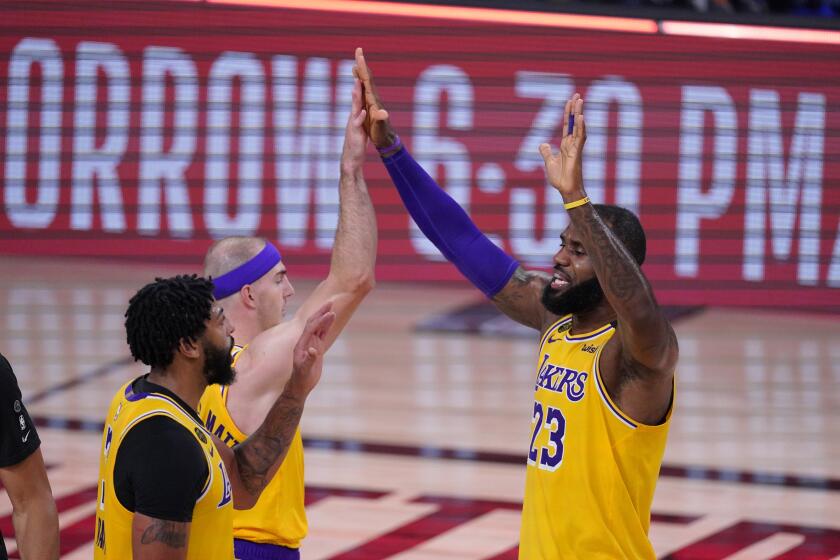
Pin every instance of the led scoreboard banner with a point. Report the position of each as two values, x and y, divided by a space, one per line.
145 130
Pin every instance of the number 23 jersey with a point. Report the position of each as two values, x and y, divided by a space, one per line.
592 470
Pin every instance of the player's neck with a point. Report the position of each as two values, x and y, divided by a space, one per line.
245 333
246 327
187 385
593 319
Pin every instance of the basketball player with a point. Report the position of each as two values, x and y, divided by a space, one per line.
605 368
23 475
167 486
253 286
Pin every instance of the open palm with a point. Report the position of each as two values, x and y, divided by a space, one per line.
308 354
564 170
376 121
355 137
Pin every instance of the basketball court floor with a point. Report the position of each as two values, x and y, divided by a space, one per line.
416 438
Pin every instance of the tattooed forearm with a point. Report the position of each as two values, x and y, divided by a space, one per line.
626 288
266 447
648 340
520 298
171 533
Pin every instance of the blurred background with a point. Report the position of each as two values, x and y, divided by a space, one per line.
133 134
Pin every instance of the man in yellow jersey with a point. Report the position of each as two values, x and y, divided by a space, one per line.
167 487
253 286
604 386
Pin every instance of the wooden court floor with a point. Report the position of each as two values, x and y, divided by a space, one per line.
416 441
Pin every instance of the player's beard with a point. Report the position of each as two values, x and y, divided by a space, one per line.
218 364
577 299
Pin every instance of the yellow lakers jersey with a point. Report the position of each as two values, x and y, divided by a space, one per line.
279 516
211 536
591 469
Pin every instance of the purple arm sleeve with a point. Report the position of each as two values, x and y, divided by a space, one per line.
447 226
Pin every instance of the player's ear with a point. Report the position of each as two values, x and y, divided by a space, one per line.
246 295
189 348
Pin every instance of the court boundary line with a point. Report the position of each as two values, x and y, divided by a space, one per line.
101 371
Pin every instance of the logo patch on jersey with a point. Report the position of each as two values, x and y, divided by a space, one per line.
22 422
109 437
558 331
589 348
561 380
200 435
226 495
17 406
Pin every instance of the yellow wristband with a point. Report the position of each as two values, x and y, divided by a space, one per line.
576 203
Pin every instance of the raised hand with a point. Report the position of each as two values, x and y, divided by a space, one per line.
564 171
308 354
355 136
377 123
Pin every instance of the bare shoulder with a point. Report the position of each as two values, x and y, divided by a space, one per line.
279 340
262 370
521 298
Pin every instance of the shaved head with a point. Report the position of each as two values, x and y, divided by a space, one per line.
228 253
261 303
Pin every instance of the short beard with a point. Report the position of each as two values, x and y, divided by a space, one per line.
584 297
218 365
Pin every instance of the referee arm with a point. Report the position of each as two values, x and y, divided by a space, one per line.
23 474
33 509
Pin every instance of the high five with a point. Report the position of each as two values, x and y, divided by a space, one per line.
607 354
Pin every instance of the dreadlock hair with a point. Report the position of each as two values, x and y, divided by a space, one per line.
626 227
163 313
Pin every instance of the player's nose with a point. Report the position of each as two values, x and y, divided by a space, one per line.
561 257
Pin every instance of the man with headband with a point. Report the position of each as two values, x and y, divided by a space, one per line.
252 285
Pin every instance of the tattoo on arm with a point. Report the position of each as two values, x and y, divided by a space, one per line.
171 533
624 284
626 288
256 456
520 299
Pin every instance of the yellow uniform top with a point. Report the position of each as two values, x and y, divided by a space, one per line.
210 529
278 517
591 469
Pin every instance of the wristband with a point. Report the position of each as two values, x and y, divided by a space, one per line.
576 203
393 147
